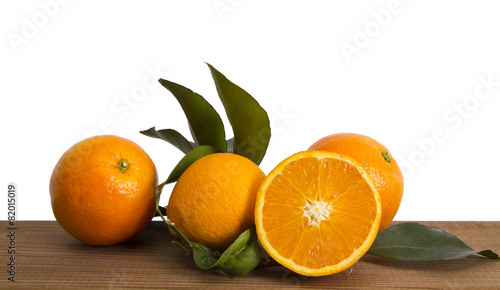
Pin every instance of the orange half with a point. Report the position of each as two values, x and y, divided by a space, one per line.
317 213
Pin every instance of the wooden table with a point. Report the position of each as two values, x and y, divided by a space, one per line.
46 256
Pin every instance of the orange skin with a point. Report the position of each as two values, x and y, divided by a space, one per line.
97 203
213 201
387 175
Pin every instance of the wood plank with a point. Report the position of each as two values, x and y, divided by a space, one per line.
46 256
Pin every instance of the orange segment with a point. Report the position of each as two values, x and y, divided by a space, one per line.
317 212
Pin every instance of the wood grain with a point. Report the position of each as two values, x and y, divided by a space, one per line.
47 257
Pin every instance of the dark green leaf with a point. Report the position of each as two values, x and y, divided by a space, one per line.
416 242
204 122
189 159
242 256
203 257
248 119
171 136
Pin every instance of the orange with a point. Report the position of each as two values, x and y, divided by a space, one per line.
317 213
377 161
213 201
103 190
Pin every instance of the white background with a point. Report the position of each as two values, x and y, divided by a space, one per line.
402 72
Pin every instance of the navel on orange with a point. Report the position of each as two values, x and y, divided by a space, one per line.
103 190
317 212
377 161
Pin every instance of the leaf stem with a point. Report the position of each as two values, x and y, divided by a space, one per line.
183 247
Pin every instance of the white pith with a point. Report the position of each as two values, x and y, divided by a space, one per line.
317 211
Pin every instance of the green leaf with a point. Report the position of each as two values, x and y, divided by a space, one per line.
237 260
189 159
416 242
171 136
203 257
248 119
243 255
204 122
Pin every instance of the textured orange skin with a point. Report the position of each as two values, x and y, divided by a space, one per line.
387 176
95 201
213 201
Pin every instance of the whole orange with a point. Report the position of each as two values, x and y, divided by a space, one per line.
103 190
377 161
213 201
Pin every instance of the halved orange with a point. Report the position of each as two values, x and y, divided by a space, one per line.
317 213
